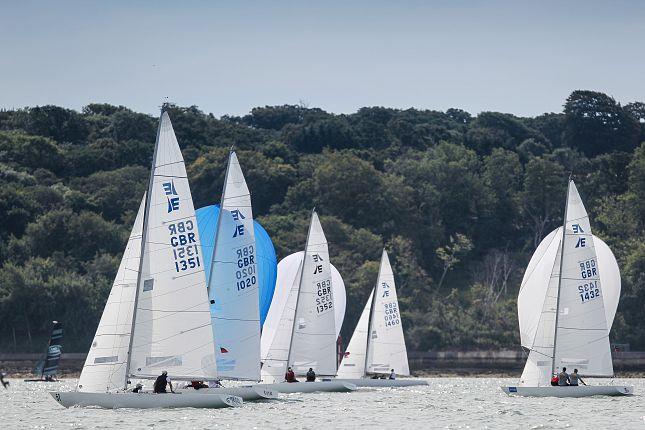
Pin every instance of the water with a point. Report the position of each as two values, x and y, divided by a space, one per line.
454 403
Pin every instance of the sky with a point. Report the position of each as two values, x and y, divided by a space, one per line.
226 57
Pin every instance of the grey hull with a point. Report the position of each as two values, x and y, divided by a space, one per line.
310 387
366 382
145 400
580 391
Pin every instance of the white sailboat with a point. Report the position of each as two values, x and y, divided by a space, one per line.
157 316
377 345
566 306
305 335
233 288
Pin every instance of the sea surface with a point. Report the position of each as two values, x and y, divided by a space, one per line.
453 403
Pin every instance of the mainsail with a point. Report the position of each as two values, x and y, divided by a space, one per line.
49 365
313 343
378 345
104 368
278 325
233 287
354 360
572 329
386 347
171 321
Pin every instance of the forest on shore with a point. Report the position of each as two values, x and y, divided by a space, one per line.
459 201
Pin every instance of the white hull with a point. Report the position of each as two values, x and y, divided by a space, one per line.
247 393
366 382
580 391
146 400
310 387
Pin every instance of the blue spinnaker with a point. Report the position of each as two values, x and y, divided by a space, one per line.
267 264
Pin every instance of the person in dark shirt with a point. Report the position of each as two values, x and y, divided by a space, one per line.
290 376
161 382
311 375
198 384
137 389
392 374
5 384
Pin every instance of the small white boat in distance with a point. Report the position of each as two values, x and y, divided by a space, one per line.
579 391
146 400
566 306
377 345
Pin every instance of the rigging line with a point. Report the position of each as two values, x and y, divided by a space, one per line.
236 319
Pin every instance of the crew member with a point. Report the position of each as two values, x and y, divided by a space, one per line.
574 378
563 378
161 382
311 375
290 376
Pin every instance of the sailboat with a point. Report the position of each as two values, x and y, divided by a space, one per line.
377 345
306 334
47 368
157 316
566 306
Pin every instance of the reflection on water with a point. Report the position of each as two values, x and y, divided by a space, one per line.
445 403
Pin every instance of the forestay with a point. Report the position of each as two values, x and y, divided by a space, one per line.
104 368
233 288
172 328
353 364
386 346
313 343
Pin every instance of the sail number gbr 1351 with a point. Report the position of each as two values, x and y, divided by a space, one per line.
184 245
245 274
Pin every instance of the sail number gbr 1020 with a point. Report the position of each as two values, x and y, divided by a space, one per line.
245 274
184 245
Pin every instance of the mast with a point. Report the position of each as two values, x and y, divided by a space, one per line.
219 221
146 213
557 306
295 313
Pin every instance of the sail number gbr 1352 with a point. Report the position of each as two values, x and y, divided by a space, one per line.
324 300
184 245
245 275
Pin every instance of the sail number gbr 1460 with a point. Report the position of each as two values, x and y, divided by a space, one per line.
245 274
184 245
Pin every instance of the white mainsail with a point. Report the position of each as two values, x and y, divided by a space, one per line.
353 363
172 325
386 346
279 319
104 368
313 342
233 289
572 329
582 335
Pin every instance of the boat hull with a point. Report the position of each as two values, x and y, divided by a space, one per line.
366 382
247 393
310 387
146 400
579 391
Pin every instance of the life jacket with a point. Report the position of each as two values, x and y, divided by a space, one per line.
554 380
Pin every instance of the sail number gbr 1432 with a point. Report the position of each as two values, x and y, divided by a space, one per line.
184 245
245 275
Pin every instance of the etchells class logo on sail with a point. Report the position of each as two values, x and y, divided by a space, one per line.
170 190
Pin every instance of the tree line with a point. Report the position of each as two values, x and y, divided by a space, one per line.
460 202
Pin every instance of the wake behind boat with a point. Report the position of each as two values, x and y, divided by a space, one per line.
566 307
